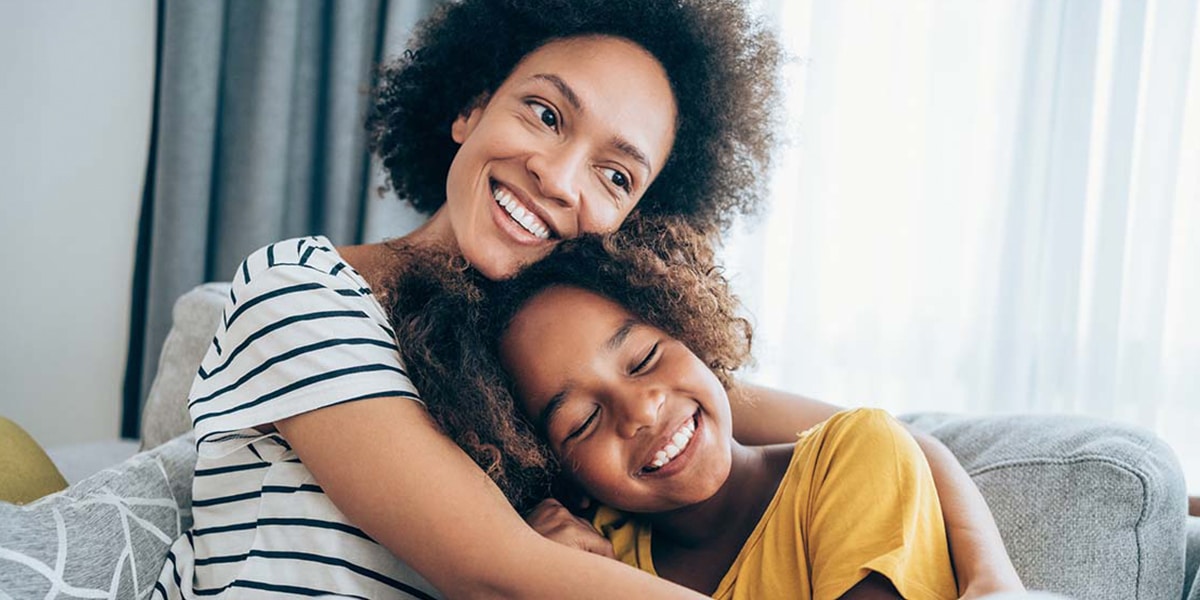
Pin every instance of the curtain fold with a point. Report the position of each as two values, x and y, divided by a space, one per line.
992 207
259 138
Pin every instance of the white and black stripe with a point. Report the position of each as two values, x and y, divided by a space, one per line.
300 331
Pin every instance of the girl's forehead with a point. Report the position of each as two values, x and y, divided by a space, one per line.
566 304
562 316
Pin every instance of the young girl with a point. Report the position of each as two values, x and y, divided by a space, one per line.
619 357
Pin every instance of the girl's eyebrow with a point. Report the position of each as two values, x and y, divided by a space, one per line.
552 407
618 337
622 332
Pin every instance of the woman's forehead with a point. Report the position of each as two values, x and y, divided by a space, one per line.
612 83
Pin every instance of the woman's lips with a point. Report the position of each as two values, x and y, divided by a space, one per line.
515 212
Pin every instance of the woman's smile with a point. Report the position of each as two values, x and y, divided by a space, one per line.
516 209
566 145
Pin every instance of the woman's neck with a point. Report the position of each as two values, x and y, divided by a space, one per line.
731 514
377 261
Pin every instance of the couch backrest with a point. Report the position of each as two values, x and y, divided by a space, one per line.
194 322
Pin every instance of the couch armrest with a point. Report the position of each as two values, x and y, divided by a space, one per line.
1086 508
194 321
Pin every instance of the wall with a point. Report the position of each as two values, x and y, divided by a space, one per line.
76 95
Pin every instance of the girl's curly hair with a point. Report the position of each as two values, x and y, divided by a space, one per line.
450 320
721 63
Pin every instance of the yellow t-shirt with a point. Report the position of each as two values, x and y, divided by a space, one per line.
858 497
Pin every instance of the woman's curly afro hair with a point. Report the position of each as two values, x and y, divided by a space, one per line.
721 63
451 319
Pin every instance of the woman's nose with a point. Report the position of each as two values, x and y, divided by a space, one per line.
558 172
639 409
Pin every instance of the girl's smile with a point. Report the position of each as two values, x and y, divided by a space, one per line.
674 454
643 422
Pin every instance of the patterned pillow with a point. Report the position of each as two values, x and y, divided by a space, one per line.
104 537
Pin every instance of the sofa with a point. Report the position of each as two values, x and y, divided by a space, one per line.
1087 508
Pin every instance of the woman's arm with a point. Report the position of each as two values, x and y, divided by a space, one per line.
392 473
981 563
764 416
872 587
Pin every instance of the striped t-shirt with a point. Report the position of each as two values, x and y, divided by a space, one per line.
300 331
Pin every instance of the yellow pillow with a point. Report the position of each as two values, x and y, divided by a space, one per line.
26 473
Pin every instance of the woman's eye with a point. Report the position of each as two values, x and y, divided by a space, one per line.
582 428
646 360
617 178
545 115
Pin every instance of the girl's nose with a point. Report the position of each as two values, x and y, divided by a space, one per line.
639 409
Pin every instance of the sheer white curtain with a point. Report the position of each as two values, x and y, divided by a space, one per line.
987 207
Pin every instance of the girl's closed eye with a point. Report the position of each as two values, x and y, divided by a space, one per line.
647 361
583 427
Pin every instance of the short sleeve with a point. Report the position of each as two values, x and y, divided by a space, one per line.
300 331
873 507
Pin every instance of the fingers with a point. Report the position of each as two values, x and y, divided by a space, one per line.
553 521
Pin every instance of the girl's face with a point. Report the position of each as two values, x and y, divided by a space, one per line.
568 144
636 418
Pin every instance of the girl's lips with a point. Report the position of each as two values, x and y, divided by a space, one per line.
680 462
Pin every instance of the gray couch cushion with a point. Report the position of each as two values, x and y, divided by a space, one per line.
195 318
1087 508
1192 577
104 537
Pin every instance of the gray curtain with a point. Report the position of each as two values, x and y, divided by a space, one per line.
258 137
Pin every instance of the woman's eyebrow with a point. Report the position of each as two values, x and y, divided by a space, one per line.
627 148
563 89
621 144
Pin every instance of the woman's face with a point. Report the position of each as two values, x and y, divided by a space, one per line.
566 145
635 417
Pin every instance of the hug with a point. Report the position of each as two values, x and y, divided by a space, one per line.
537 393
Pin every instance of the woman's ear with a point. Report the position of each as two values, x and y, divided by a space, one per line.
468 119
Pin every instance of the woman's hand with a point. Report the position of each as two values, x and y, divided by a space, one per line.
551 519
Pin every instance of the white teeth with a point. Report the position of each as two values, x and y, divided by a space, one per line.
523 217
676 445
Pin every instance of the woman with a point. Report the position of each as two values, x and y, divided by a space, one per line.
517 124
